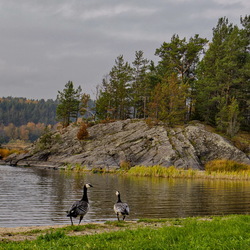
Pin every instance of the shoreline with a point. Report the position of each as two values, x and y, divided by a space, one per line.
20 234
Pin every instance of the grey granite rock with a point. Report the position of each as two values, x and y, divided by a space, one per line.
136 143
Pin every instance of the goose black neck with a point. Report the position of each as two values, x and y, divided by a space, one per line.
85 196
119 198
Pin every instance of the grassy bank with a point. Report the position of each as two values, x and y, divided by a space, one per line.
172 172
222 232
216 169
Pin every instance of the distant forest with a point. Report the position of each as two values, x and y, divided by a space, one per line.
25 119
20 111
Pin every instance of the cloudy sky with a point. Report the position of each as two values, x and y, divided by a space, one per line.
46 43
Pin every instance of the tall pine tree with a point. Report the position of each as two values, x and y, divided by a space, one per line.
69 100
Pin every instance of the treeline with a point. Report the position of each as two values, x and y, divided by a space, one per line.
25 119
193 79
20 111
28 132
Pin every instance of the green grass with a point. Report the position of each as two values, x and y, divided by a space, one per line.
228 232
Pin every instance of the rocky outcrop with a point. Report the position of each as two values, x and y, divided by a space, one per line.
136 143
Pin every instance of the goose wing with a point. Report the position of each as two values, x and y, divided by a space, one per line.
121 208
78 208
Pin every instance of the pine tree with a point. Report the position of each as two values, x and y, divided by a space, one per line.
223 74
140 91
180 57
69 100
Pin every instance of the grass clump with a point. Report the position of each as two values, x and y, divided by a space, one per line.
232 171
160 171
125 165
226 165
51 236
117 223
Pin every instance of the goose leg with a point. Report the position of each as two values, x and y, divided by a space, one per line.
124 217
80 219
118 217
71 221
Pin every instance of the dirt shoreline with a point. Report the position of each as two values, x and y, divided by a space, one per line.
24 233
32 232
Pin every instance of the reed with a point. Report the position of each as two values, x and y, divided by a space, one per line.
173 172
160 171
226 165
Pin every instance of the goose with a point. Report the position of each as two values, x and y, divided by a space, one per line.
80 208
121 208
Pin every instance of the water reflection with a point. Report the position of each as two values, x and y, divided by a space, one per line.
34 196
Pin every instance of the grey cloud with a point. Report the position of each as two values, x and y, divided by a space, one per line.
46 43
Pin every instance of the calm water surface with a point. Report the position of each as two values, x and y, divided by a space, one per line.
34 196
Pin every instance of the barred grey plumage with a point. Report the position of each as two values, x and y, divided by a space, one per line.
80 208
121 208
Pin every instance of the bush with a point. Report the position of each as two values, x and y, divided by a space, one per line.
125 165
83 132
4 152
226 165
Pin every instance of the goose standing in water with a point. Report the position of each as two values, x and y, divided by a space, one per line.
80 208
121 208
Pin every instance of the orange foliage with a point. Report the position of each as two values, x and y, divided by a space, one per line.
83 132
4 152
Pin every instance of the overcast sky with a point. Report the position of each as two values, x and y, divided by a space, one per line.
46 43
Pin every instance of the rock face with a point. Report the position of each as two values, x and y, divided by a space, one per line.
136 143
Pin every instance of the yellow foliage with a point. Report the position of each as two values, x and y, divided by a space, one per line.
4 152
226 165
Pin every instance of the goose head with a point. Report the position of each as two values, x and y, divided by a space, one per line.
88 185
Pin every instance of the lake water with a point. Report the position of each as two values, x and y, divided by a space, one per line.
33 196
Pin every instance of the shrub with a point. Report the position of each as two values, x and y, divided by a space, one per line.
151 122
107 120
226 165
4 152
83 132
125 165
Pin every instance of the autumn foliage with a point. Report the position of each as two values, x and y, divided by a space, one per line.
226 165
83 132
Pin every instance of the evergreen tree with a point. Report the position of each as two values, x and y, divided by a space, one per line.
169 101
140 91
180 57
223 74
120 79
69 100
114 100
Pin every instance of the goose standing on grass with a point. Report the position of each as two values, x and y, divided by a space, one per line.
80 208
121 208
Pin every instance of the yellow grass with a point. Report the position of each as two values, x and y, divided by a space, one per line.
226 165
172 172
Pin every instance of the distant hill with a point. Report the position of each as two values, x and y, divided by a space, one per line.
20 111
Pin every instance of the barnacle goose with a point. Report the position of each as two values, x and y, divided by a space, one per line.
121 208
80 208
